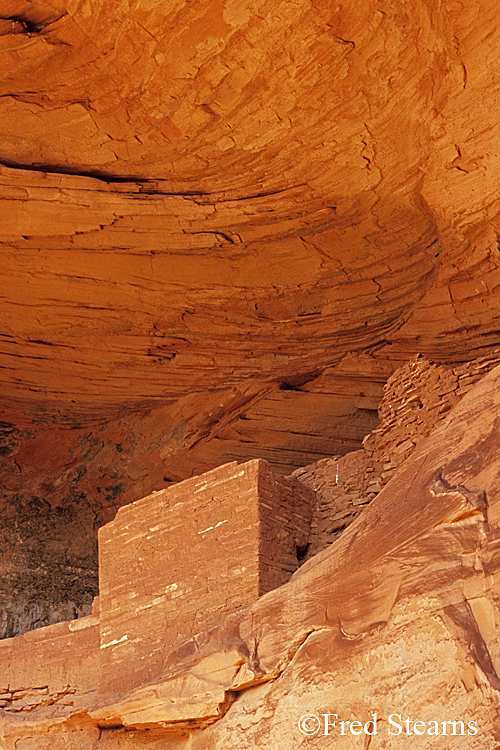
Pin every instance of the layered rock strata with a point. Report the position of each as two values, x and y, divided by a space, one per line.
222 227
212 196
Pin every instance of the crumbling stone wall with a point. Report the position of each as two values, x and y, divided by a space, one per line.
49 666
344 485
416 397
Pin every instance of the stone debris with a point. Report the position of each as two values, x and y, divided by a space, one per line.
31 698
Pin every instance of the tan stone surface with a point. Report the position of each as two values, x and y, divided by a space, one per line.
46 675
398 617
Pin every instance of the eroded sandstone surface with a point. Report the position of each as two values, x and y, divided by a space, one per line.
397 619
224 225
212 195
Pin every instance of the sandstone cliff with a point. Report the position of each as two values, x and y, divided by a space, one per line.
224 196
224 225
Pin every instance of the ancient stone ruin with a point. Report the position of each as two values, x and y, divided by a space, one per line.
249 352
193 553
171 564
181 651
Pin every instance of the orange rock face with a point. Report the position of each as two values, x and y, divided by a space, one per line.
223 226
216 198
197 196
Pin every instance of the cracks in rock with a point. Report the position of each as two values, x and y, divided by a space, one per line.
267 193
23 24
465 74
366 158
475 500
455 163
292 650
463 618
143 187
366 145
295 383
348 43
59 170
231 238
100 175
141 26
41 341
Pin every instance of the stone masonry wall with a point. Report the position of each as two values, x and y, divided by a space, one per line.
416 397
172 564
49 667
284 527
177 561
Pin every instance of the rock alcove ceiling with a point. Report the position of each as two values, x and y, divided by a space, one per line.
224 225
